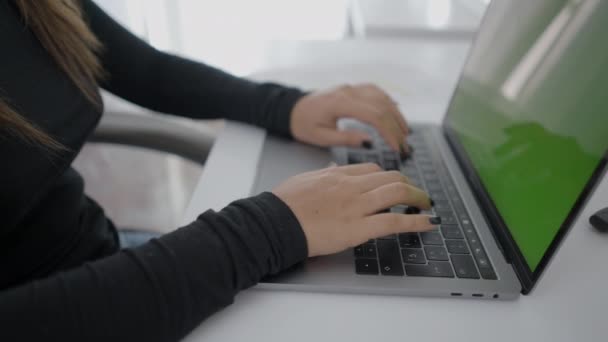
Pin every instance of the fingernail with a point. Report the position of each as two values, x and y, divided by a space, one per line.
435 220
367 144
402 154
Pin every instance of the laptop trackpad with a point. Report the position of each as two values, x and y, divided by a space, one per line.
282 158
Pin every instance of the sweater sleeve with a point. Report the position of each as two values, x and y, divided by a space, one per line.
161 290
170 84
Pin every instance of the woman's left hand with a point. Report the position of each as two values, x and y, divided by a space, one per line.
315 116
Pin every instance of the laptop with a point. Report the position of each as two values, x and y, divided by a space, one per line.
523 143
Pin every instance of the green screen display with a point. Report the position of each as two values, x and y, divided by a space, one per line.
531 111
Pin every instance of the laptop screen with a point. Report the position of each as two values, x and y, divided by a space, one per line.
530 114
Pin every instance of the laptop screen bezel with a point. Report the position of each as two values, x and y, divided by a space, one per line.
513 254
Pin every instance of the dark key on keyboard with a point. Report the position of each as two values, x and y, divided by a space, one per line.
432 269
390 165
355 158
367 250
485 268
366 266
464 266
441 205
430 176
457 246
446 217
437 253
481 258
372 158
390 155
451 232
409 240
389 258
413 256
431 238
433 186
412 210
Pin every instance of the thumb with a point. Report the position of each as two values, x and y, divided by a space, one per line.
332 137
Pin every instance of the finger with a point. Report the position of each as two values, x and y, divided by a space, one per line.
400 118
383 100
393 194
358 169
367 113
402 143
334 137
375 180
390 223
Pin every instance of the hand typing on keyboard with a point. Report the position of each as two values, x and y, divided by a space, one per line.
315 116
342 207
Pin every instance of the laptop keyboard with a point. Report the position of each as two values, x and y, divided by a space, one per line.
451 250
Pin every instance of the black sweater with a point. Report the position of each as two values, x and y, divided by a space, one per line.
62 277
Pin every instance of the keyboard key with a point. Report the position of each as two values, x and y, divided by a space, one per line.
433 186
389 165
437 253
390 156
487 272
369 250
446 217
358 251
451 232
372 158
469 231
483 263
432 269
389 258
438 195
355 158
464 266
366 266
426 167
442 205
431 238
464 219
411 172
413 256
457 246
409 240
412 210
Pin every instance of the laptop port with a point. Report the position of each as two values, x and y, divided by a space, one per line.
477 295
495 296
456 294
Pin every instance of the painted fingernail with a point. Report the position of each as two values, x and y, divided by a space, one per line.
367 144
435 220
402 154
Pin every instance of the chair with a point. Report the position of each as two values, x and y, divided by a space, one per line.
157 132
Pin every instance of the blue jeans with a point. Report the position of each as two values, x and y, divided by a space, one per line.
133 238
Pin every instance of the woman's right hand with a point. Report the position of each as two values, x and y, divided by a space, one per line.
339 207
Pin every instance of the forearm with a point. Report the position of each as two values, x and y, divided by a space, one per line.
166 83
163 289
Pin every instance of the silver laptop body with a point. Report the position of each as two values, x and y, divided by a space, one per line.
281 159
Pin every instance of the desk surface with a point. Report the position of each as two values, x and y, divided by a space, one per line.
569 303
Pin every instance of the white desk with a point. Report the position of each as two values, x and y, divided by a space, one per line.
569 304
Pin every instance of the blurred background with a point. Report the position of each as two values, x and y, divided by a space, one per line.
144 189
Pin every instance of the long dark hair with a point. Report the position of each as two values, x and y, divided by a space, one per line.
60 28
